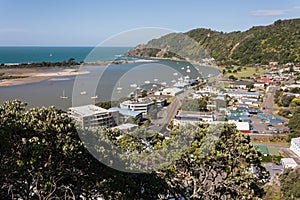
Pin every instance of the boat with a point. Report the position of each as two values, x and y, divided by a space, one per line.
94 97
119 88
83 93
64 96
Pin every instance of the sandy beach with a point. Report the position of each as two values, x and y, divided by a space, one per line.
35 75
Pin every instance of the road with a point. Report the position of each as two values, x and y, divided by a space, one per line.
168 113
268 103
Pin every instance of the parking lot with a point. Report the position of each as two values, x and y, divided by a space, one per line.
266 128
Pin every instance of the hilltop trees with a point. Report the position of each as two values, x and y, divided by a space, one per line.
261 44
42 157
217 166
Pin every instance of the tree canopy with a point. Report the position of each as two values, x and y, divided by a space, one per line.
42 157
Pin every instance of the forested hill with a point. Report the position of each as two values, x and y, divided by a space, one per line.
279 42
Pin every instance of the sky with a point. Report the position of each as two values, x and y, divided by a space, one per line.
90 22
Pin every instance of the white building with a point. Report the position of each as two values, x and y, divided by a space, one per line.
125 128
288 163
171 91
140 105
240 84
259 85
193 117
295 146
239 94
94 116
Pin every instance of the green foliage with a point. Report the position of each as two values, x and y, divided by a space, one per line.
194 105
70 62
294 124
290 184
296 101
284 113
216 165
42 157
273 159
232 77
276 42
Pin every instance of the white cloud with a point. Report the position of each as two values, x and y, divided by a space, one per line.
275 12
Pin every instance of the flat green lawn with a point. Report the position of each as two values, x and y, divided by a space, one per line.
249 71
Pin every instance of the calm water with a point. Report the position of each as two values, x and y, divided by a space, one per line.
106 82
57 54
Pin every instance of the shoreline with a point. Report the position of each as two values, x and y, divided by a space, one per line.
36 75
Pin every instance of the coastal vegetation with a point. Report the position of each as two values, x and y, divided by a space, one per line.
279 42
70 62
42 157
4 76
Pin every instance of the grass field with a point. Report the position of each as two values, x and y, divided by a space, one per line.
245 72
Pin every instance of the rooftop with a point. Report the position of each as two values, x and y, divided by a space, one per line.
126 126
88 110
262 148
288 161
242 83
194 113
126 111
242 92
296 141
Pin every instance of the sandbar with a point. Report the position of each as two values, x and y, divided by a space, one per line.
36 75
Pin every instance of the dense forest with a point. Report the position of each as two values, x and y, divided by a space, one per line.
278 42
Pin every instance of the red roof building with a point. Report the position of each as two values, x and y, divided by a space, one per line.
264 80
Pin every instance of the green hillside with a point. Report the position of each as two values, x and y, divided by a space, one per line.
279 42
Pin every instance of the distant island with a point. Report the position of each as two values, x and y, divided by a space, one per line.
279 42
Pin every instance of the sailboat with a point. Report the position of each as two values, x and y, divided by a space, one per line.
119 88
63 96
83 93
94 97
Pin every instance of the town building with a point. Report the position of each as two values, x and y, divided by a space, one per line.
263 80
139 105
171 91
193 117
93 116
239 94
288 163
128 113
240 84
125 128
259 85
273 169
295 146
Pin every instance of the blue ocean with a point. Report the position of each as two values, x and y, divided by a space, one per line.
12 55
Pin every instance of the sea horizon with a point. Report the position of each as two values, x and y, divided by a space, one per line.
34 54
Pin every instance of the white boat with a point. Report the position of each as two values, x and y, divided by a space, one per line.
64 96
133 85
94 97
83 93
119 88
